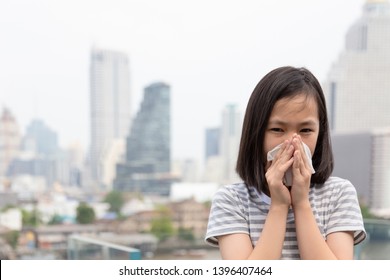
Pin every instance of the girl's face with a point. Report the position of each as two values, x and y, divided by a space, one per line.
299 115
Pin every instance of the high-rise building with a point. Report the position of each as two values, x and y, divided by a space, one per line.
10 140
357 90
41 139
212 142
230 136
40 155
110 105
370 154
221 147
148 153
213 171
358 84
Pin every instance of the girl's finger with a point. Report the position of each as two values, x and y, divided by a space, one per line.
297 161
298 144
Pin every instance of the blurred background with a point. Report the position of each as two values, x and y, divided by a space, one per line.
120 119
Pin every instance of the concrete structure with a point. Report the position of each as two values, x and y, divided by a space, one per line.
358 84
10 140
357 90
41 139
201 192
221 147
187 170
111 156
190 214
110 105
11 219
231 128
364 159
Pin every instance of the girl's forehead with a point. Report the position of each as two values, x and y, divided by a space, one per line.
301 105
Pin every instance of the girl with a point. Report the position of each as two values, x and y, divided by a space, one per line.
318 216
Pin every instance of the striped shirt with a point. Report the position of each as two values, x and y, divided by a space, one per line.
241 209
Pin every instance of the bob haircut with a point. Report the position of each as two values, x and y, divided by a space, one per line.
282 82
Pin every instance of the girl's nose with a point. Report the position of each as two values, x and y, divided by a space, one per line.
291 136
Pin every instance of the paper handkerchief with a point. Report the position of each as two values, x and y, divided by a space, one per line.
288 175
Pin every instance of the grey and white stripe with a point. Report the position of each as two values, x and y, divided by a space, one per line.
241 209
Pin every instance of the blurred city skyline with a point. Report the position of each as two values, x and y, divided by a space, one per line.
210 53
64 77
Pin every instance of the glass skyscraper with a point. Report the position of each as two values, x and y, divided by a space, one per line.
148 152
212 142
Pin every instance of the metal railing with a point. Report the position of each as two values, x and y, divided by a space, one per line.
89 248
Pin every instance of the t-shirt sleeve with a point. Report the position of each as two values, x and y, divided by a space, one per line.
227 215
346 213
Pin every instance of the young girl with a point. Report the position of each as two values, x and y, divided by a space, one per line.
314 217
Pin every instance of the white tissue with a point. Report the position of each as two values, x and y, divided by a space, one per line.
288 175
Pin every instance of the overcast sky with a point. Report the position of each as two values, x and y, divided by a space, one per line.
211 52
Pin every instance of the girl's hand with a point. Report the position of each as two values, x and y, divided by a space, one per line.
301 174
280 194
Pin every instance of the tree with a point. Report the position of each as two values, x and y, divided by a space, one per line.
12 238
186 234
32 218
162 228
207 204
85 214
115 200
55 220
366 213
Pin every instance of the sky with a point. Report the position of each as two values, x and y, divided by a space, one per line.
211 52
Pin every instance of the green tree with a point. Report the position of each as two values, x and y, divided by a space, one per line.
207 204
162 227
186 234
85 214
115 200
32 218
366 212
55 220
12 238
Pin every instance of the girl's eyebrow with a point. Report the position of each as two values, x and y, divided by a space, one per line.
305 122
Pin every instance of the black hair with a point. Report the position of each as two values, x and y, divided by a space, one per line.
280 83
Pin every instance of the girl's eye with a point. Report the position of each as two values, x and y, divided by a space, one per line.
276 129
306 130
